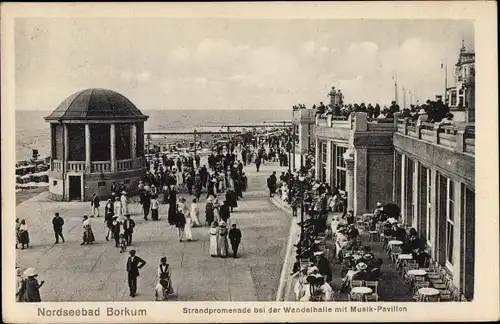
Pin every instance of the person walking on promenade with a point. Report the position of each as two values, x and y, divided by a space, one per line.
31 289
225 213
18 225
188 227
94 204
216 205
108 218
222 244
258 161
194 212
271 184
209 211
19 285
117 208
57 224
115 230
128 229
88 235
235 239
214 238
155 206
134 264
180 223
124 201
145 200
114 189
172 207
24 236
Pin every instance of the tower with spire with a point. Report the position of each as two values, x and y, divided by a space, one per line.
462 95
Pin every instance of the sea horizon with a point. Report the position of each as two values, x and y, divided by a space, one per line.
33 132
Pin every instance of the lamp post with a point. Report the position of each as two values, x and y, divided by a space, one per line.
301 182
289 172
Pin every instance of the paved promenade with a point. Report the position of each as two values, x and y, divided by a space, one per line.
97 272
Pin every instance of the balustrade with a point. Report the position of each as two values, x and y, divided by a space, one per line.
76 166
461 138
101 166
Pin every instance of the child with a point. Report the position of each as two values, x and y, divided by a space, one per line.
123 243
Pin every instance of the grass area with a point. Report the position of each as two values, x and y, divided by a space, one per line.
24 195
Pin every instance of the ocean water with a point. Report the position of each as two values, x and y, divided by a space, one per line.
32 132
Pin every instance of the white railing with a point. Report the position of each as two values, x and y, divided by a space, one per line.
123 165
76 166
101 166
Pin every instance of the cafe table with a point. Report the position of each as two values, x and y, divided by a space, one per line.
425 293
363 291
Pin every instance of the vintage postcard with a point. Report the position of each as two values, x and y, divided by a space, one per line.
249 162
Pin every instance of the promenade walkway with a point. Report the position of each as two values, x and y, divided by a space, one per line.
97 272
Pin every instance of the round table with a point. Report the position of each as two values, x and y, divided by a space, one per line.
417 272
395 242
425 293
363 291
405 257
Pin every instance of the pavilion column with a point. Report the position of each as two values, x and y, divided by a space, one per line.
133 141
349 161
112 145
88 161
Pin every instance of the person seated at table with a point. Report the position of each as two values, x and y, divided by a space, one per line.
335 223
398 232
412 242
311 291
378 210
421 256
325 289
296 265
352 232
361 273
324 267
349 218
301 281
341 241
367 258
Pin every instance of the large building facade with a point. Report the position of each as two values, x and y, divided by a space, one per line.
426 169
97 138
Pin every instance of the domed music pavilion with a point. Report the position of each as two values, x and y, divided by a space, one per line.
97 138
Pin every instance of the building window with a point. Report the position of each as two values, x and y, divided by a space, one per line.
450 222
54 182
340 169
323 161
101 184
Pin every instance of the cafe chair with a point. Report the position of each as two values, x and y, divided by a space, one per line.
374 286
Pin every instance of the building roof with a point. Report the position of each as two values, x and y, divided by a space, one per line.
96 104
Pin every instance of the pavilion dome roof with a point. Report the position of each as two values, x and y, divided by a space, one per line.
96 104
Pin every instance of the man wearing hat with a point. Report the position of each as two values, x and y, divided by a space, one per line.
128 229
94 204
57 224
361 273
235 239
134 263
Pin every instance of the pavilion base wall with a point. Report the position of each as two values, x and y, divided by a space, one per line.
99 183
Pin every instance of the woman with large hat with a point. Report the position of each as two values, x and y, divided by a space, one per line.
180 223
194 212
165 273
20 285
223 245
31 286
209 211
124 200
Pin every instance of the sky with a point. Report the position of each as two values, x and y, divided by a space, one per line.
166 63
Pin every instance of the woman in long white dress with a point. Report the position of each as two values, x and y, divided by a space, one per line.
194 213
214 235
117 208
187 228
284 192
216 205
124 200
178 177
222 240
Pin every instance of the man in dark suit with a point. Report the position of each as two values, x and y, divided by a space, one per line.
95 203
235 239
57 224
128 229
134 263
271 184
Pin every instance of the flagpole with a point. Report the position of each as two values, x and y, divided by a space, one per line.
445 99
